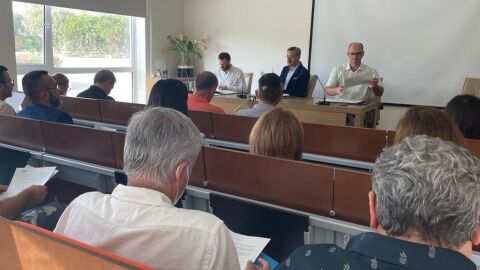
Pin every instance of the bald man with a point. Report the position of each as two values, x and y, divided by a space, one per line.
354 67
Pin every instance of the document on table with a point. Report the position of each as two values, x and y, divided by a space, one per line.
225 92
23 178
361 78
248 247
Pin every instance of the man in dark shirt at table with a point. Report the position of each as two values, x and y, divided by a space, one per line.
44 96
424 211
103 84
295 76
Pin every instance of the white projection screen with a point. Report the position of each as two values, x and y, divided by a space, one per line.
423 49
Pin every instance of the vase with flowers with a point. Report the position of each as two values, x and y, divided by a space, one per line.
186 49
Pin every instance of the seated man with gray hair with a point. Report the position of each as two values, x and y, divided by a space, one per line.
424 209
139 221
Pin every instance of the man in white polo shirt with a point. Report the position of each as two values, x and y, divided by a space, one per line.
139 221
354 67
229 77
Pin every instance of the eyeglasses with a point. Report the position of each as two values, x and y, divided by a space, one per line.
356 54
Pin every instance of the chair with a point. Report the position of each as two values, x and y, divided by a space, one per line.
311 85
471 86
248 82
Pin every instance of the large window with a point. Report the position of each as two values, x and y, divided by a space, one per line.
77 43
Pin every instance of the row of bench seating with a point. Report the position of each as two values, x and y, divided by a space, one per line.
344 142
301 186
298 185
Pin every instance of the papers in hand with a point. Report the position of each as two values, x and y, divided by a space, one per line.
225 92
248 247
23 178
361 78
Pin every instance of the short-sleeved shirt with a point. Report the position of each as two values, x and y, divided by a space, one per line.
6 109
143 225
39 112
256 111
357 92
369 251
199 103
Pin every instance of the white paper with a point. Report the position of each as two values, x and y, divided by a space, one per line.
361 78
248 247
343 100
23 178
102 127
226 92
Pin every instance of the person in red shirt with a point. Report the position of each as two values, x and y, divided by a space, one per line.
205 85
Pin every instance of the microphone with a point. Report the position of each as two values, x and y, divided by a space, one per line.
324 101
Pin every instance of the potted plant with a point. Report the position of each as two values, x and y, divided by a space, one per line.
186 50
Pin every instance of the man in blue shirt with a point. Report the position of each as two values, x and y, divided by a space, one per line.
42 91
424 210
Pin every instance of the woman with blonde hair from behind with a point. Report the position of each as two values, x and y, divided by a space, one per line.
277 133
428 121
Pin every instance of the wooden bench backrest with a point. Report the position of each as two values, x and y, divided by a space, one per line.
345 142
81 108
26 247
85 144
473 146
297 185
351 196
203 120
232 128
21 132
118 113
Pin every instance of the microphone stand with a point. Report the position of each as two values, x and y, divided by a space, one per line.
243 95
324 101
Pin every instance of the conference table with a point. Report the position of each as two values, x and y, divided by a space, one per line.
307 111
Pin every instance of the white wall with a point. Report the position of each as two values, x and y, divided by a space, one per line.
166 17
255 33
7 48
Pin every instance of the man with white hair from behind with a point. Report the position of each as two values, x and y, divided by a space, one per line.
424 210
139 221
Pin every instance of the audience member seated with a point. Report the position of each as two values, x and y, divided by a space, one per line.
6 87
269 94
428 121
229 77
103 83
205 85
25 207
424 211
139 221
465 111
42 91
169 93
278 133
62 83
295 76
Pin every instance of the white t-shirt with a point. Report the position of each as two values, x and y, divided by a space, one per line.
233 79
357 92
6 109
142 225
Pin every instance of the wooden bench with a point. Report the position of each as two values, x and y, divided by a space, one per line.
25 246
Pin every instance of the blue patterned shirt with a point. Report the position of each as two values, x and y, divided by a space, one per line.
375 251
